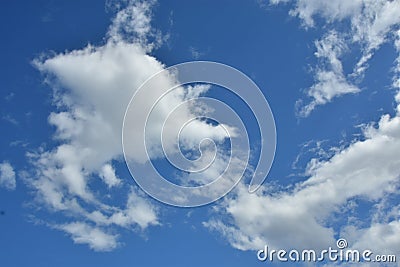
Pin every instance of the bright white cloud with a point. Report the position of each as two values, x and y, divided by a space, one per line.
137 211
301 217
83 233
372 22
107 173
381 237
396 78
330 80
7 176
132 24
92 88
367 169
97 83
332 11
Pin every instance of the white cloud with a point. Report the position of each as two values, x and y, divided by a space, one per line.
10 119
306 10
372 22
133 24
328 86
381 237
396 78
92 88
83 233
7 176
138 211
303 217
107 173
330 81
196 54
373 27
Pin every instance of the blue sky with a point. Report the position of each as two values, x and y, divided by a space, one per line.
330 73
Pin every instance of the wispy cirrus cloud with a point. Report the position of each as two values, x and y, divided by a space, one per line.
365 24
7 176
330 79
94 237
